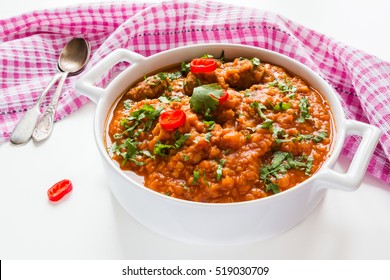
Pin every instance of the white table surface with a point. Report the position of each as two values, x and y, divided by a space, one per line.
90 224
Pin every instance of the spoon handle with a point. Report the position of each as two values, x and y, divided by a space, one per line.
25 127
45 125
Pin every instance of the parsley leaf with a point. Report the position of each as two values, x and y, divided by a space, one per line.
255 61
127 104
210 125
220 168
285 87
259 106
205 98
320 136
277 133
185 68
181 140
304 107
208 136
196 177
281 106
172 76
280 164
300 137
162 149
309 165
163 99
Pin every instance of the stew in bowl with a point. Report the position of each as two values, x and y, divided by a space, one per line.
218 131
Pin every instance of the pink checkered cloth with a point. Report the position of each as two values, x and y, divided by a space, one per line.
30 44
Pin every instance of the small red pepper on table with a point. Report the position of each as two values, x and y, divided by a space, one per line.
170 120
203 65
59 190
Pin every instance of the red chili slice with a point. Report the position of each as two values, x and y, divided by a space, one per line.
224 97
59 189
171 120
203 65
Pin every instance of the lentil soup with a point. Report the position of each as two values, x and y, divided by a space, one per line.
215 131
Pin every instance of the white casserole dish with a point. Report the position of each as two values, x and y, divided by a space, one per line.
234 223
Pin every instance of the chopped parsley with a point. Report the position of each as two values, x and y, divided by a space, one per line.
162 149
259 107
147 112
320 136
255 61
196 177
205 179
138 121
180 139
127 150
172 76
285 87
304 108
210 125
280 164
220 169
147 153
300 137
127 104
186 157
208 136
163 99
277 133
185 68
281 106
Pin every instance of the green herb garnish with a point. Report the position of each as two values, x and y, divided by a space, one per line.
196 177
285 87
172 76
260 107
162 149
281 106
278 133
185 68
210 125
205 98
320 136
208 136
280 164
220 169
255 61
181 139
186 157
304 107
127 104
163 99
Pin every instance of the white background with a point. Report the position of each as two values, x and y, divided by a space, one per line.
89 223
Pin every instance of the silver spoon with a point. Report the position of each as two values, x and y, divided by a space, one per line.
76 53
72 61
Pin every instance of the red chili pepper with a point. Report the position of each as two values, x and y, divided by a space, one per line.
224 97
59 189
171 120
203 65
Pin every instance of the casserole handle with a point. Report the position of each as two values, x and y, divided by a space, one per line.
351 180
86 84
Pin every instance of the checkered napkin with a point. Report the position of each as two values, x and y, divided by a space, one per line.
30 45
